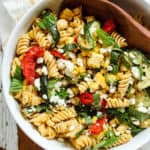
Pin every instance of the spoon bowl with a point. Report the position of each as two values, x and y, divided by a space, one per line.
136 35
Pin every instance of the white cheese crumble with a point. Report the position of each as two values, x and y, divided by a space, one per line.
142 109
44 96
117 133
60 50
132 101
80 62
60 63
40 60
131 55
104 96
37 83
58 85
148 110
112 89
106 50
49 37
44 70
143 77
56 99
109 68
67 65
93 29
71 94
71 55
135 72
135 121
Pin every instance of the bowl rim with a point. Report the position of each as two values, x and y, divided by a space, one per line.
25 126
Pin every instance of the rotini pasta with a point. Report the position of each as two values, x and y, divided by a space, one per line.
51 65
121 41
23 44
124 84
83 142
117 103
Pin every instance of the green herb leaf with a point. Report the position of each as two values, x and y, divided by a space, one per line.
96 98
106 38
135 130
18 73
79 133
148 91
49 23
105 143
115 69
138 115
16 85
62 93
69 47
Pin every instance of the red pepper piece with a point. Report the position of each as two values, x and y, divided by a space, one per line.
86 98
57 54
29 63
98 126
109 26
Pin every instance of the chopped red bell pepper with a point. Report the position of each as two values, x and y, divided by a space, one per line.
29 62
57 54
86 98
103 103
98 126
76 39
109 25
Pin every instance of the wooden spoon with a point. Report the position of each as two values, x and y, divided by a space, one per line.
137 36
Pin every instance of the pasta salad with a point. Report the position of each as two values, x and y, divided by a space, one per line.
77 81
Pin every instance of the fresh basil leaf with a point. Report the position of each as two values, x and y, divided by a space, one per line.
96 98
105 143
135 130
138 115
106 38
62 93
49 23
79 133
16 85
148 91
18 73
69 47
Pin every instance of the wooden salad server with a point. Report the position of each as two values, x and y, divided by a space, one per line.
136 35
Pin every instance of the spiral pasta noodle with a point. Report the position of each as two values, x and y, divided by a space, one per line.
23 44
117 103
61 115
51 65
83 141
121 41
16 62
37 34
82 86
66 126
124 84
122 139
47 131
28 97
145 124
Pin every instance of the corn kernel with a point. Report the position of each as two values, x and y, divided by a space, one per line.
94 119
93 86
83 121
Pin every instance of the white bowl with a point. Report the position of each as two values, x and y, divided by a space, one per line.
14 108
